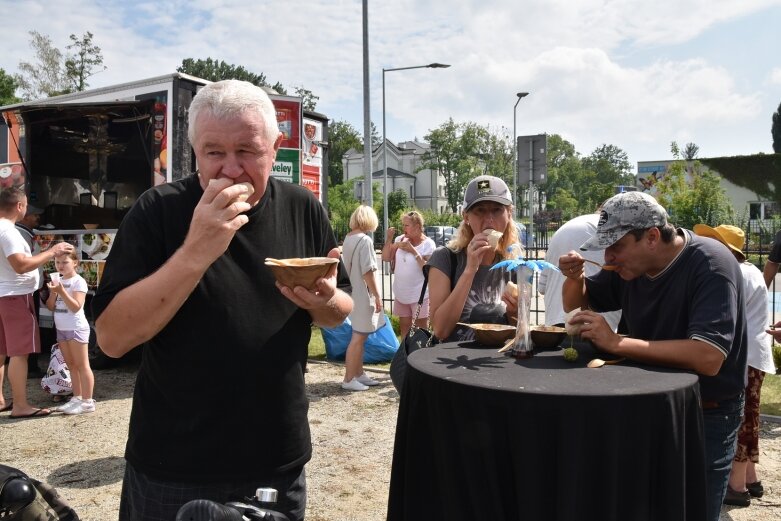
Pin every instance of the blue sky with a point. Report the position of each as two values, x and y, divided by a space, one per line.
631 73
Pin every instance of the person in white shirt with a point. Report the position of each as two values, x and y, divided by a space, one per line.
26 227
743 481
568 237
19 278
408 254
67 293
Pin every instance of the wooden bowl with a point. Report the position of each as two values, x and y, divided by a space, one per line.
547 337
300 272
492 334
90 226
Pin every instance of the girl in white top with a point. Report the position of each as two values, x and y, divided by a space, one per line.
68 291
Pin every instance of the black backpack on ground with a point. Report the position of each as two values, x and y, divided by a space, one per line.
23 498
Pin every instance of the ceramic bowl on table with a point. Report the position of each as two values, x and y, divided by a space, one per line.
492 335
547 337
300 272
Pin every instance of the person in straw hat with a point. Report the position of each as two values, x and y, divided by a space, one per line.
743 481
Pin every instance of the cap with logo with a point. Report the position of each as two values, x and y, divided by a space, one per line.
623 213
730 236
486 188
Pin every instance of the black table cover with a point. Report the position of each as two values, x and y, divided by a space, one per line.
482 436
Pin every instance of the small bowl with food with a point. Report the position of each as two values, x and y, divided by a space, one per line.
547 337
300 271
492 335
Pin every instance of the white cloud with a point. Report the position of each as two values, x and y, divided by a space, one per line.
575 58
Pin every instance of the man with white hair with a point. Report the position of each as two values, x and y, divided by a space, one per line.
186 278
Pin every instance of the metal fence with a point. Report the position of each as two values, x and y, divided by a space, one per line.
758 244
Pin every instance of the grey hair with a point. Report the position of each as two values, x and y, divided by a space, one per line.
230 98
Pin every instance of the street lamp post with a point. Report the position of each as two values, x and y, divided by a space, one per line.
520 95
385 139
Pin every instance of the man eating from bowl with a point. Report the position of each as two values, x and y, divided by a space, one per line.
186 278
682 298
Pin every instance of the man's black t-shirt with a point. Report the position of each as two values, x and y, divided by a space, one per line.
220 393
698 296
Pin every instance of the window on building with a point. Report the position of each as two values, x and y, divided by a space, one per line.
763 210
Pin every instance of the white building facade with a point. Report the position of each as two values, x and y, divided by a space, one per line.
425 188
742 199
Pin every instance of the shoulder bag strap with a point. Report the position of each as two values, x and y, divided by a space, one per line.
426 268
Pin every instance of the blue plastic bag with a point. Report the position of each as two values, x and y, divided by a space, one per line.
380 346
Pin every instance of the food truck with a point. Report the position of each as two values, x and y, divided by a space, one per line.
86 157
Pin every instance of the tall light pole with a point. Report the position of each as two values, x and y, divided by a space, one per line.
385 139
520 95
367 121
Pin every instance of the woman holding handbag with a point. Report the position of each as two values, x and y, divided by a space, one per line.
367 315
408 254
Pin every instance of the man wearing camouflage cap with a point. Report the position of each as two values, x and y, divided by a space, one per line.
681 296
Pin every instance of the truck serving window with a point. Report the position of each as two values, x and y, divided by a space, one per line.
73 149
71 140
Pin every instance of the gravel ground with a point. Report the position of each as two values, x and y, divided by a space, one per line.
81 456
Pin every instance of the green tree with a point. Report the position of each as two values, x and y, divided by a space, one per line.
376 140
342 136
566 178
52 73
216 70
690 151
398 202
83 62
606 167
455 152
775 130
611 165
693 195
565 201
309 100
342 203
46 76
495 149
8 88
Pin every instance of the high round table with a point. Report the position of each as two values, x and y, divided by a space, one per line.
482 436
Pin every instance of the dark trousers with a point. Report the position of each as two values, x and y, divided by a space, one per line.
149 499
721 431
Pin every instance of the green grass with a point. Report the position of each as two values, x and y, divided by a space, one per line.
316 345
771 395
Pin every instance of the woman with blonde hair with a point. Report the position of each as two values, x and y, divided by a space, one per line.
367 315
408 253
474 293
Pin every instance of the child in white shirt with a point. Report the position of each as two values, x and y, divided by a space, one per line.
66 300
